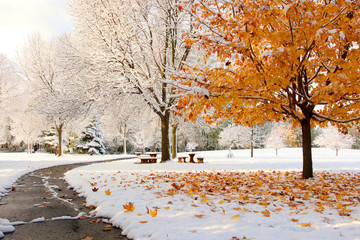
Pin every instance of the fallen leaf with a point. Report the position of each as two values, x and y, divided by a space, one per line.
143 221
108 192
199 216
94 189
129 207
234 218
266 213
305 224
88 238
193 231
107 228
94 220
154 212
294 220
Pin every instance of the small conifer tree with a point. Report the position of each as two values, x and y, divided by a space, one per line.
91 141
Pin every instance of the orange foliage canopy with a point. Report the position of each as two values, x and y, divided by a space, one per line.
276 60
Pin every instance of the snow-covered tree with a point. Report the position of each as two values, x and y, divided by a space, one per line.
53 69
235 136
191 146
277 138
142 42
332 138
148 133
26 128
10 90
50 140
244 137
125 115
91 140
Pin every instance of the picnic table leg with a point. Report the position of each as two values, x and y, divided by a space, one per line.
191 155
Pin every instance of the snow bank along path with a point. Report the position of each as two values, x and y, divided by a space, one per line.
228 198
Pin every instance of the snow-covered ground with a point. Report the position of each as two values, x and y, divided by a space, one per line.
228 198
15 165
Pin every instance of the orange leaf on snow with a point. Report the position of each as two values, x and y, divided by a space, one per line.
204 200
199 216
234 218
266 213
143 221
154 212
129 207
193 231
108 192
305 224
294 220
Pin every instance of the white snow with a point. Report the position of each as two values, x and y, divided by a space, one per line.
63 218
38 220
6 228
186 210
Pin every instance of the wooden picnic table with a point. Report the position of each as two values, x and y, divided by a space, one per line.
148 159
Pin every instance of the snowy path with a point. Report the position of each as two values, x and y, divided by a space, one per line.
42 200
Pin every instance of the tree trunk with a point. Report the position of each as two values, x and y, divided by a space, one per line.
252 143
124 140
28 147
165 137
59 129
306 147
174 141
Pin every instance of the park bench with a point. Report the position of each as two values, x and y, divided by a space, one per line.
182 159
200 159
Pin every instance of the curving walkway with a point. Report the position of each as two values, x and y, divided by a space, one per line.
43 207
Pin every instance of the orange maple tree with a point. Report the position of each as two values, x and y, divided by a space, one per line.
278 60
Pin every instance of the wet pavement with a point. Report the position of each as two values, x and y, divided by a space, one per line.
44 207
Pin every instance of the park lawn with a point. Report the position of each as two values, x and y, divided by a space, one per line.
240 198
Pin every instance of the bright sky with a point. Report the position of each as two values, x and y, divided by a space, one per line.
19 18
